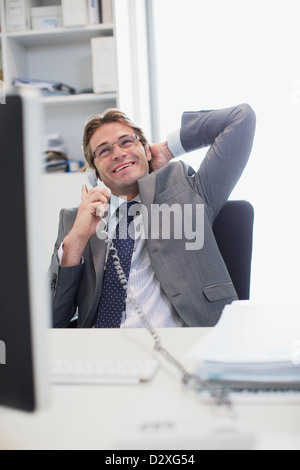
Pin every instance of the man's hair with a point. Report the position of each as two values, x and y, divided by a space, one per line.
97 120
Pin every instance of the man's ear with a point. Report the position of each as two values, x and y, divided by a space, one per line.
98 175
148 153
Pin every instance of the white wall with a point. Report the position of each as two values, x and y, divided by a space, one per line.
213 54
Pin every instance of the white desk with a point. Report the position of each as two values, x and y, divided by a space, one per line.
93 417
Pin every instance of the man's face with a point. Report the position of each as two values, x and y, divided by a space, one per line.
121 169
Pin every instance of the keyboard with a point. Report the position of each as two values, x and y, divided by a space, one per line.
89 372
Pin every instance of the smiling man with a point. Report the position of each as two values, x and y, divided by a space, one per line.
128 162
174 286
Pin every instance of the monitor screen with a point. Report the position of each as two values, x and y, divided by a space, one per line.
24 300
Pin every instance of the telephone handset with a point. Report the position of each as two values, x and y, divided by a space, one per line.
92 180
220 395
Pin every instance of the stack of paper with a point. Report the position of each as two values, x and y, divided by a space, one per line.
47 87
252 346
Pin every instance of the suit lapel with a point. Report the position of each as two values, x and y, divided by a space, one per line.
98 254
147 192
98 250
147 188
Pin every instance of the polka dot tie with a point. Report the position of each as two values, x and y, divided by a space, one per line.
112 300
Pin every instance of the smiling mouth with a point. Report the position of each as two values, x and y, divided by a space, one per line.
123 167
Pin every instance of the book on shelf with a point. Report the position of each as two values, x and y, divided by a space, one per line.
56 159
84 12
94 11
75 12
21 14
106 11
55 156
104 68
62 166
17 14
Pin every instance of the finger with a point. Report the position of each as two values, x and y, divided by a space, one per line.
84 192
99 194
101 190
97 198
100 210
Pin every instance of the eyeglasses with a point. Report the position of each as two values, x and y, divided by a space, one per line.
125 142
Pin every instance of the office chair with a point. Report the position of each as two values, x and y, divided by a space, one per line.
233 230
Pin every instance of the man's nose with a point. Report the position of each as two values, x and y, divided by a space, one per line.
118 151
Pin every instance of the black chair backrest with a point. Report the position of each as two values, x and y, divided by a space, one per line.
233 230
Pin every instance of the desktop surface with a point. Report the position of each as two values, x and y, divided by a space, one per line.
99 417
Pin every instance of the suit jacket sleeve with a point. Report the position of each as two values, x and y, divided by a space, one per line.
229 135
64 283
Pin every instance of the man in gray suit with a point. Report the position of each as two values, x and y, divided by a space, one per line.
175 283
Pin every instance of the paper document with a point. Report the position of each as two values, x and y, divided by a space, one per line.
252 344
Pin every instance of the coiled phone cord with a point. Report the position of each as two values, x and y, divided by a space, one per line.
218 393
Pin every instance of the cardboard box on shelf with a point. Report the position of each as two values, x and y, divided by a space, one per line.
46 17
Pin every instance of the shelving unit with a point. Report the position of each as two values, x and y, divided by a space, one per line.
54 36
62 55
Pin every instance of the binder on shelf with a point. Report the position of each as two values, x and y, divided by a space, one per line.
75 12
56 159
62 166
17 15
94 11
104 64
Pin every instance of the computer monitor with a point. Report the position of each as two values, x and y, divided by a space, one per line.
24 300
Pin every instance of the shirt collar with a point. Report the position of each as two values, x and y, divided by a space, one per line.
116 202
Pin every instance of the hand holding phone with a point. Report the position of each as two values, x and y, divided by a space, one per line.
93 206
96 200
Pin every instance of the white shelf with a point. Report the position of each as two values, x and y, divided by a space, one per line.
60 35
79 99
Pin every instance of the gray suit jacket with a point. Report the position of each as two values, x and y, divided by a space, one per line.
196 282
